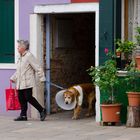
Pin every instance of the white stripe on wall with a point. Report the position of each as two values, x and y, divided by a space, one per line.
67 8
98 117
16 26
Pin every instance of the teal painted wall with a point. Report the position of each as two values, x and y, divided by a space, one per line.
106 27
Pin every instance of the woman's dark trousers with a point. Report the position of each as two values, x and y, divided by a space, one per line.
25 96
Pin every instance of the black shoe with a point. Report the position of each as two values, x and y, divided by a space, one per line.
21 118
43 115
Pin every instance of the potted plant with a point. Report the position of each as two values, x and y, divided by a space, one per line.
133 81
125 47
105 76
118 52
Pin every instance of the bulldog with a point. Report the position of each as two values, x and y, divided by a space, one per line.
81 93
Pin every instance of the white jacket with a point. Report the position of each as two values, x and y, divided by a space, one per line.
27 67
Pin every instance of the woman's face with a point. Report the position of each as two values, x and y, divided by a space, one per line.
21 49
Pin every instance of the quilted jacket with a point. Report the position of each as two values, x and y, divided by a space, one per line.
27 69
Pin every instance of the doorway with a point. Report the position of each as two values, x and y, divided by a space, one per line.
71 51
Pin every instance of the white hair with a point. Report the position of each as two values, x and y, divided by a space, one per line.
24 43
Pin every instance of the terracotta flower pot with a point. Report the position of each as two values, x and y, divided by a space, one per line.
111 112
137 59
133 98
118 54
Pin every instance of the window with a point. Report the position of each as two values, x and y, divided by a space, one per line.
7 31
129 24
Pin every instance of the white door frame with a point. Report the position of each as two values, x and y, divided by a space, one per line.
78 8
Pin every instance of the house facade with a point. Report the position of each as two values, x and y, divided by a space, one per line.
67 36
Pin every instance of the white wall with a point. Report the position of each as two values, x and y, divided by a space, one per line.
36 47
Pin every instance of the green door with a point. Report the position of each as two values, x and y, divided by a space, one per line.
6 31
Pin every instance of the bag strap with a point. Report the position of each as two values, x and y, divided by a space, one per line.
11 85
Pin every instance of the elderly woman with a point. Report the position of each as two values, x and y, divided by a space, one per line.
24 77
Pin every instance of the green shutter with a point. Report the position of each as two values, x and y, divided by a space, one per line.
106 30
6 31
110 25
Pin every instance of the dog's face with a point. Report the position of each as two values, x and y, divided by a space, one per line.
68 97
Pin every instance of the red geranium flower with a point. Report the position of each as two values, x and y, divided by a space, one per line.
106 50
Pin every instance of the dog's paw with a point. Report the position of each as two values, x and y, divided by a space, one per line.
89 114
74 118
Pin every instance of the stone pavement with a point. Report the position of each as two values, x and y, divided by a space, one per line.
60 127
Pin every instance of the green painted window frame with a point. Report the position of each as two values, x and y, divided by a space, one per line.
7 31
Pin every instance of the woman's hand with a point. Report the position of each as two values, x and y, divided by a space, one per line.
12 81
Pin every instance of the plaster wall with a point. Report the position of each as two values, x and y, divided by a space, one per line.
5 75
26 7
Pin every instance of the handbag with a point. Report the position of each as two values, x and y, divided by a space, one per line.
12 102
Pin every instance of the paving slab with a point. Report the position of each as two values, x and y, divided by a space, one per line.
60 126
